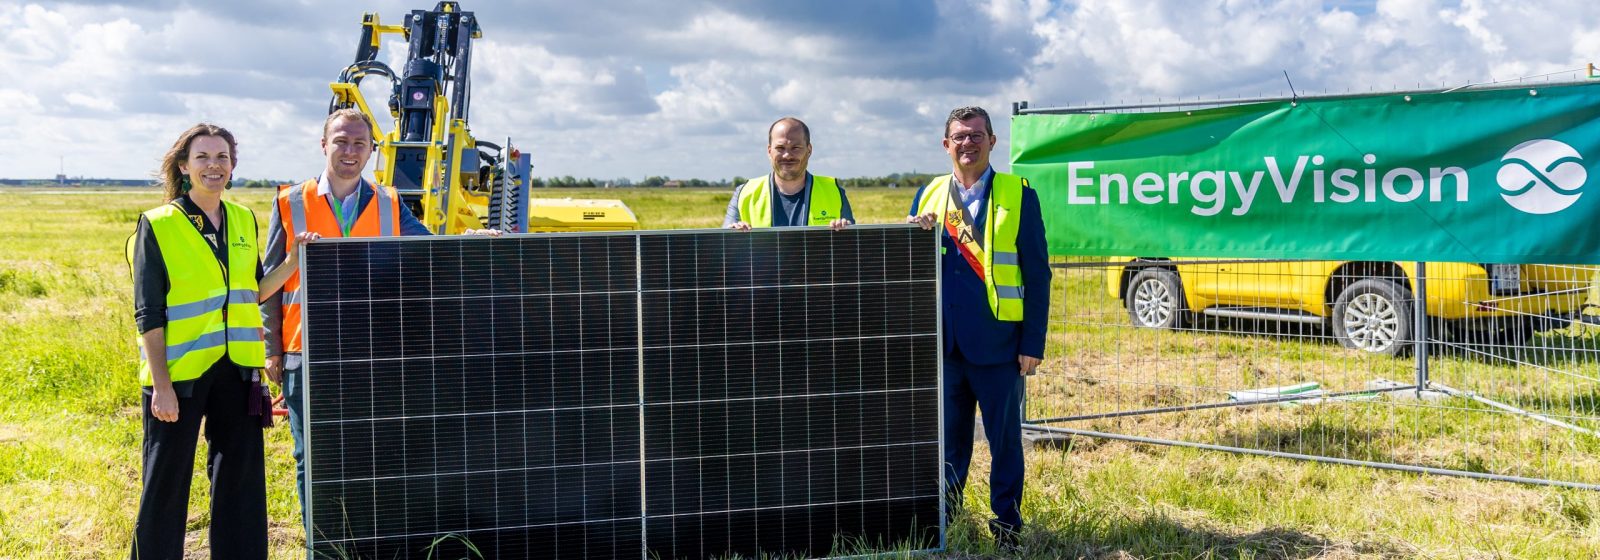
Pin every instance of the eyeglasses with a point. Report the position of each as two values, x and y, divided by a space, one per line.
975 137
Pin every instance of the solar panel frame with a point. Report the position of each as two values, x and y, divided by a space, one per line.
639 347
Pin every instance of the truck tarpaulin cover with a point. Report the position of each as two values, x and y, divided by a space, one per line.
1506 175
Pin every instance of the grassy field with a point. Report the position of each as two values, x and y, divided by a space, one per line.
69 429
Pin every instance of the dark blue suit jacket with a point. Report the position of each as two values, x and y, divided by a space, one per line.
969 325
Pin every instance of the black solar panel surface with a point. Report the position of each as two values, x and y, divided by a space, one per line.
491 393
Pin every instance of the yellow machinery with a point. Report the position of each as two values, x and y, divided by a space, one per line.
452 181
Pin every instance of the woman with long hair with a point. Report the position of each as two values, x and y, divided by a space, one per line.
197 282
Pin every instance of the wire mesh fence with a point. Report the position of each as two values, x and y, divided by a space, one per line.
1320 360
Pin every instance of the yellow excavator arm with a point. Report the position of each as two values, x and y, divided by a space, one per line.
451 181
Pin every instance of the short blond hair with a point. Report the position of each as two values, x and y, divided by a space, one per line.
348 113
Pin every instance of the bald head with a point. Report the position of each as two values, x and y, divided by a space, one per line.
781 127
789 148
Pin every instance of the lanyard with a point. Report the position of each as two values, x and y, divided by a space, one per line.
347 221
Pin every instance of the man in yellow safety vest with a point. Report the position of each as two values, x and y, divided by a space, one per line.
995 284
790 195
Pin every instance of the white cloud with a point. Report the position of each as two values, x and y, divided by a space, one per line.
729 34
608 88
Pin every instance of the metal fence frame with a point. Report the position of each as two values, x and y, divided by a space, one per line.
1421 385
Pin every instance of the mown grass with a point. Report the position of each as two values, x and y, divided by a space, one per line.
69 428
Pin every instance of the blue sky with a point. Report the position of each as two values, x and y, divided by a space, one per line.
687 88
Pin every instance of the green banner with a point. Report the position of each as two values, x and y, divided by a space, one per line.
1497 176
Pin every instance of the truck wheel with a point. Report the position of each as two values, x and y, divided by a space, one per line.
1155 300
1374 316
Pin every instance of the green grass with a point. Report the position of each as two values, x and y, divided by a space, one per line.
69 423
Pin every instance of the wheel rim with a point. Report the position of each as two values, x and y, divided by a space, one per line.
1372 322
1152 303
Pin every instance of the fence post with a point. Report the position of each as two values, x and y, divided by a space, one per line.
1022 399
1420 327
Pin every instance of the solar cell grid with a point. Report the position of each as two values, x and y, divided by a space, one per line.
665 394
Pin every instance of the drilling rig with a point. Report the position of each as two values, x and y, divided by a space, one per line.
451 180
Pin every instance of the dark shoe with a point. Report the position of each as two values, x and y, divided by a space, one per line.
1007 537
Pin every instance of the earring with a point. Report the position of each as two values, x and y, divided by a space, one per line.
183 185
228 185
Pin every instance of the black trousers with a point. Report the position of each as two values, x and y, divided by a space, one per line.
233 463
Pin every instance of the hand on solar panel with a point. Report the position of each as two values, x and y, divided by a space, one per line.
489 232
927 221
299 240
839 224
1028 363
273 281
739 226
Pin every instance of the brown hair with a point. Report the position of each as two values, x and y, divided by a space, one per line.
964 113
349 113
170 176
804 130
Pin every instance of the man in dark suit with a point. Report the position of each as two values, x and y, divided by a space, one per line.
996 294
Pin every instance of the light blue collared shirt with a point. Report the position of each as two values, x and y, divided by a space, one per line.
349 207
972 198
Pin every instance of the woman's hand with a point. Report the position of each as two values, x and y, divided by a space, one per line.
273 281
164 402
294 246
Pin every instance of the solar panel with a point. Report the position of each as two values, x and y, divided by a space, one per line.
683 394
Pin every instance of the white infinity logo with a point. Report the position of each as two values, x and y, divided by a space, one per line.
1542 176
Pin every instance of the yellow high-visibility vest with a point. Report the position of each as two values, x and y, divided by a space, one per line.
1004 220
208 316
824 206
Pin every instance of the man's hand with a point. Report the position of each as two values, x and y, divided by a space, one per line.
839 224
491 232
275 369
1028 364
739 226
164 402
927 221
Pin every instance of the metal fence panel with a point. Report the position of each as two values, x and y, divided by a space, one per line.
1319 360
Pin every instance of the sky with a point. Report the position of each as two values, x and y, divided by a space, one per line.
686 88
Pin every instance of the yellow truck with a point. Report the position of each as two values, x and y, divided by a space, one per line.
1364 305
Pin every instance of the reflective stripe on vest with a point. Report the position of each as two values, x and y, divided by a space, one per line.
823 206
207 317
196 309
302 210
1003 220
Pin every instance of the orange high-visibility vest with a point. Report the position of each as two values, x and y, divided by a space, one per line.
302 210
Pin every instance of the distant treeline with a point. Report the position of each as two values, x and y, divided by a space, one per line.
93 183
570 182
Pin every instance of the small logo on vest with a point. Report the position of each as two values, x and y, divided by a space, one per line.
1542 176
